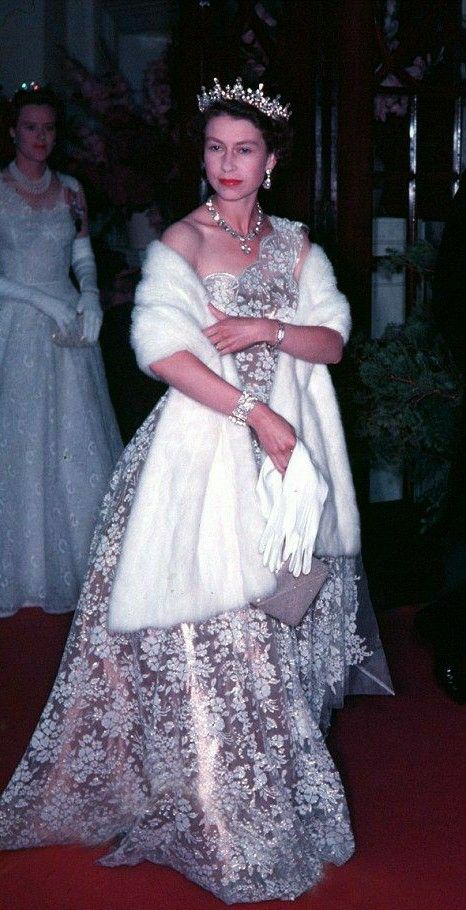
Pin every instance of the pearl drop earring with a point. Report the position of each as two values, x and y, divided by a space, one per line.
267 182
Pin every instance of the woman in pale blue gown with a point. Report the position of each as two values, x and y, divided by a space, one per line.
200 744
59 440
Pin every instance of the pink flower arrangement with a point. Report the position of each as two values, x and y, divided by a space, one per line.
157 96
91 146
256 58
395 104
101 94
116 146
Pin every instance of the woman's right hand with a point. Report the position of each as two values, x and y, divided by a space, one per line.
63 315
275 435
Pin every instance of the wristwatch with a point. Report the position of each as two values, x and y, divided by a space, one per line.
279 336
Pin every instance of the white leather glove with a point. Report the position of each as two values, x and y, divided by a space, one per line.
281 514
303 480
62 314
83 264
293 507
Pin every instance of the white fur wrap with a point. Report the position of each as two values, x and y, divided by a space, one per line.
191 545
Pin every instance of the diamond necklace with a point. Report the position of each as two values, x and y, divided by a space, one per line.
35 187
243 238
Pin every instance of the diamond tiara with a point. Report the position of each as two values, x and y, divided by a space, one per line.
271 107
26 87
29 87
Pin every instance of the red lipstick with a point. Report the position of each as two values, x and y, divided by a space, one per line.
229 181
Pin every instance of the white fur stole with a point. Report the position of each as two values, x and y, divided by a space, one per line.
191 545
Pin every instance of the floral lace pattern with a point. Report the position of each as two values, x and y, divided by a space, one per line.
265 288
200 747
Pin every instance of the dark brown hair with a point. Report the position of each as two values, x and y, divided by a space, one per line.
277 134
37 96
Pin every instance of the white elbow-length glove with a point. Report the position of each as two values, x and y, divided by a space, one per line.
292 506
83 265
59 311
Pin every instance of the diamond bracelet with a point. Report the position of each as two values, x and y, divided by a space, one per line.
245 404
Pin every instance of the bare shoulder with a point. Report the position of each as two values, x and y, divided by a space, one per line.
185 237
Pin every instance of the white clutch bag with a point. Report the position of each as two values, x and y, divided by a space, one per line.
293 596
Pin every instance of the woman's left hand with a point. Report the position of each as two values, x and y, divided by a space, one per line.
230 334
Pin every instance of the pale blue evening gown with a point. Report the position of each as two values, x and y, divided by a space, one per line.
59 439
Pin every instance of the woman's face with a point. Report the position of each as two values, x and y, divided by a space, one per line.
35 132
235 157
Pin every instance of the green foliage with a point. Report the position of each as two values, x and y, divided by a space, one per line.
404 405
420 258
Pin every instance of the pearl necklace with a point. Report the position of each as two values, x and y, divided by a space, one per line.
34 187
243 238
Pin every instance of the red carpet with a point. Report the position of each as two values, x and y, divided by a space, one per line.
402 760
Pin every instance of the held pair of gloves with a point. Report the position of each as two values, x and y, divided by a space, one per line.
292 506
83 264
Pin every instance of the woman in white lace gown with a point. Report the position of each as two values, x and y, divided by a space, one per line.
200 744
58 435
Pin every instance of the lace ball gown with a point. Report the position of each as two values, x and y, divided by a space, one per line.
202 747
59 440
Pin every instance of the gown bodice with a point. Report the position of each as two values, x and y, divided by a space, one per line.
266 288
35 243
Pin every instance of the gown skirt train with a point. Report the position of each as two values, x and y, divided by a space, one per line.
199 747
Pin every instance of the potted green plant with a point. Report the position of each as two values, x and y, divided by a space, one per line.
403 396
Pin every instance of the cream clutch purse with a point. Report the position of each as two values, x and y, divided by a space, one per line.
293 596
73 337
